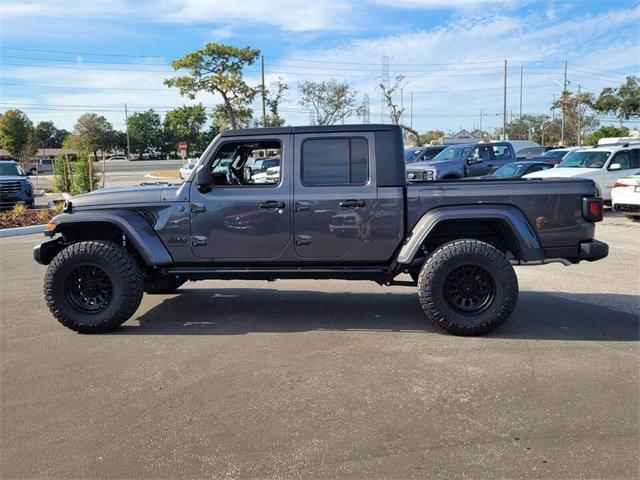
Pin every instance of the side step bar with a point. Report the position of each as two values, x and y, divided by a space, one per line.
377 274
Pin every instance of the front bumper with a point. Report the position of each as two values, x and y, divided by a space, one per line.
593 250
44 253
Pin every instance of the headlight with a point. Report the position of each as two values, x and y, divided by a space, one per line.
430 174
411 176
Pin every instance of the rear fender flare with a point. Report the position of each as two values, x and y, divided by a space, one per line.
527 242
135 227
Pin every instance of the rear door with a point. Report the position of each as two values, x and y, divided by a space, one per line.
335 193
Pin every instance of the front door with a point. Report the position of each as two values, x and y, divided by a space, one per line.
483 163
335 193
247 214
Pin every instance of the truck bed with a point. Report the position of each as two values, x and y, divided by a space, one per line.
552 206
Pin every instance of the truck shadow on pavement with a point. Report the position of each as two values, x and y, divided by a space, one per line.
237 311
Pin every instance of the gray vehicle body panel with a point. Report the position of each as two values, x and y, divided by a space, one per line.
181 227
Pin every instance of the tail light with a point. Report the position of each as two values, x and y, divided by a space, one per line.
618 184
592 209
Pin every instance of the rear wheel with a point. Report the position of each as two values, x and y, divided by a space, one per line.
467 287
93 287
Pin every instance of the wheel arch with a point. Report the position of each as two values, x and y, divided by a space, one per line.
504 222
112 225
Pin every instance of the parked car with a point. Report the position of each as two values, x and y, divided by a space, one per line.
262 164
603 165
526 149
458 244
465 160
270 175
519 169
15 187
185 170
625 195
422 154
40 165
556 155
117 158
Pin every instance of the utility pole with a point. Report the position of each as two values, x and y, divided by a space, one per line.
564 95
126 121
481 132
553 107
504 104
264 94
366 109
411 111
385 82
520 92
579 119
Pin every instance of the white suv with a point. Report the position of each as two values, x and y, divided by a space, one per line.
603 165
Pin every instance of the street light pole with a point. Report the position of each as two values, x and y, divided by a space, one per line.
504 104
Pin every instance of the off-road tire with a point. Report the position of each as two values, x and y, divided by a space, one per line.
494 269
161 284
116 263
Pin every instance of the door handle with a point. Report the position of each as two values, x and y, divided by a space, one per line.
271 205
352 203
301 206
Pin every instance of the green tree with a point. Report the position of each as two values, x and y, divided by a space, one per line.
145 132
217 69
185 124
578 121
91 133
274 95
331 101
222 122
607 131
623 101
17 136
48 136
431 136
85 177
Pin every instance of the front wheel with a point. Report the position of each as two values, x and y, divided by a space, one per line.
467 287
94 286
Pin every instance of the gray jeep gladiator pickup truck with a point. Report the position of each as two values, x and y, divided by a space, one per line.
339 208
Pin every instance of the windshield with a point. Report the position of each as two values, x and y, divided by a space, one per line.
410 154
511 170
454 153
555 153
584 159
10 169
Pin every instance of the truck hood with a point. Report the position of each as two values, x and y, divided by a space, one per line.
428 164
564 172
13 178
130 195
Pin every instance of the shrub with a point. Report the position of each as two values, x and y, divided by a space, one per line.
19 209
61 174
81 179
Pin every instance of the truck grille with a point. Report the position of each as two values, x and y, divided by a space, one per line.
10 187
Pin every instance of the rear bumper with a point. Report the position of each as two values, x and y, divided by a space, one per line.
627 207
593 250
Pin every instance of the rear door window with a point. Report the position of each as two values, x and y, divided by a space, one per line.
335 161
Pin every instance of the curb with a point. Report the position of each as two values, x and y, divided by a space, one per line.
15 232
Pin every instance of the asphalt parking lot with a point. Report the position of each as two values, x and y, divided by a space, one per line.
327 379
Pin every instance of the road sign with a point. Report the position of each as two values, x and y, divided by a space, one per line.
182 146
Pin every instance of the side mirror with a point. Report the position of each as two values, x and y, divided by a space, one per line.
615 166
203 179
475 158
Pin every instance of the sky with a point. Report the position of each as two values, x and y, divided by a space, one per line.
59 59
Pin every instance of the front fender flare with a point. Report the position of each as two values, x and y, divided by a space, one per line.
527 242
133 225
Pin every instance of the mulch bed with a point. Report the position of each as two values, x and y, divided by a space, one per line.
31 217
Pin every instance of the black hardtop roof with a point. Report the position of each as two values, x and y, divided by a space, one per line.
367 127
